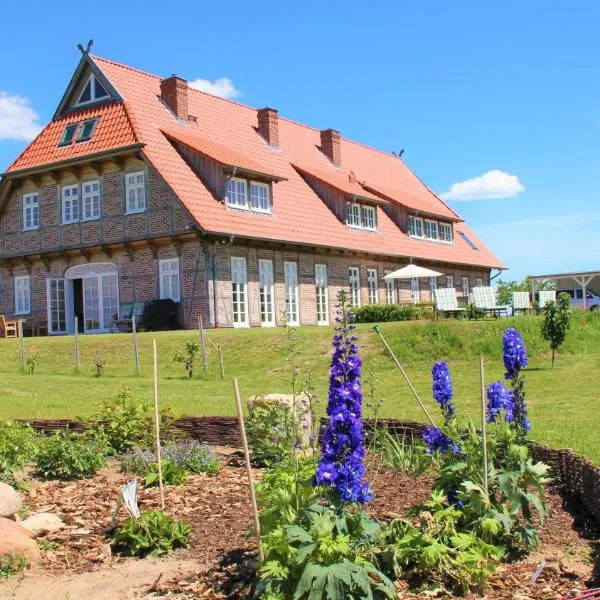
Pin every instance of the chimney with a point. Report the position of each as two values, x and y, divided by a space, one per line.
268 125
330 146
174 93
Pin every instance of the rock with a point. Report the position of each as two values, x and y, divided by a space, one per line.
20 544
9 528
43 523
302 405
10 500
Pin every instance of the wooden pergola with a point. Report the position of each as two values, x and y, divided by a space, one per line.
582 279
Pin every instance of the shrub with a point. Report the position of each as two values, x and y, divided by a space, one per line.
172 474
66 455
188 357
18 445
557 319
381 313
153 533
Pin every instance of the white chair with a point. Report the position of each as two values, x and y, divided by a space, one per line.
484 298
445 301
546 296
521 302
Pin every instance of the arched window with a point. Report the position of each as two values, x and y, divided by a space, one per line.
90 270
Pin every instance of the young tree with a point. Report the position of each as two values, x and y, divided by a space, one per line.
557 318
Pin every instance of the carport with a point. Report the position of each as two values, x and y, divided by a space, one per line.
584 280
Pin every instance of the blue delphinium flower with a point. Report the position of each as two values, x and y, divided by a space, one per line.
438 442
343 452
453 498
499 399
513 353
442 389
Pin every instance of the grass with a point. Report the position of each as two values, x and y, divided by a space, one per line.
563 401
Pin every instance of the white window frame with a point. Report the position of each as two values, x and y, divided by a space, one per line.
322 288
87 200
372 286
239 277
56 305
291 286
370 224
390 290
466 287
415 290
415 225
31 211
260 186
353 215
93 96
430 230
133 206
354 285
445 233
450 281
229 199
22 285
479 282
169 279
72 201
433 283
266 292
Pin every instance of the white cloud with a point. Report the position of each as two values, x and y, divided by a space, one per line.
489 186
18 120
222 87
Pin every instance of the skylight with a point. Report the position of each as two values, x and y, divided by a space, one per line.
92 91
68 134
87 129
467 239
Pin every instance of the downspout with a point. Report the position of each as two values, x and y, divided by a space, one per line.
496 275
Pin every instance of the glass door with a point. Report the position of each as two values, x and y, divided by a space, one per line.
91 305
57 306
267 310
415 291
110 300
290 273
239 291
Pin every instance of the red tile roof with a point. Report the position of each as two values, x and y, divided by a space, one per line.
114 130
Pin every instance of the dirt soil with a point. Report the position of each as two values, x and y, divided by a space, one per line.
220 560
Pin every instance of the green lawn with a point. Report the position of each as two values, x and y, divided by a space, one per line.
563 401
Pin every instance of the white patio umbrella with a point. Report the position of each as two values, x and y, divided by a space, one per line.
412 272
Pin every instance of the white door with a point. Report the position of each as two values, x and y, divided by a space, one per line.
322 294
100 302
415 291
239 291
57 305
354 282
290 272
267 304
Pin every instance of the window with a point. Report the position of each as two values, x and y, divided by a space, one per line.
372 283
135 192
90 196
415 290
431 230
259 197
445 232
369 218
87 130
239 291
68 134
31 211
432 284
92 91
237 193
290 273
465 286
70 204
168 272
22 295
467 239
449 281
322 294
415 227
267 308
479 282
353 215
390 292
354 281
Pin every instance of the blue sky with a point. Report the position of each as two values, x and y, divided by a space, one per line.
466 88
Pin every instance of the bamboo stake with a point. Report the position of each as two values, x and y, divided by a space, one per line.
21 343
221 366
136 357
483 426
203 345
76 342
410 385
238 402
157 422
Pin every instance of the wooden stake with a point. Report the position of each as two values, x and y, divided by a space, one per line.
221 366
136 358
410 385
483 426
21 343
238 403
203 345
157 423
76 342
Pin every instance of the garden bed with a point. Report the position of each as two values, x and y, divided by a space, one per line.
220 560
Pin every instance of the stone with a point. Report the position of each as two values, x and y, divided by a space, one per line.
9 528
20 544
302 408
41 523
10 500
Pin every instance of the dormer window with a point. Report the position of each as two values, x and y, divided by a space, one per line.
87 130
92 91
431 230
445 230
68 134
435 231
360 216
259 199
415 227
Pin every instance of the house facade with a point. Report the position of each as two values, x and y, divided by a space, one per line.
142 188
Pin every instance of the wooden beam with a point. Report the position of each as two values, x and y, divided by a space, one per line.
85 252
76 172
119 161
55 176
97 167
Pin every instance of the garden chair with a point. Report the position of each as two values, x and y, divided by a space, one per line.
546 296
122 321
484 299
521 302
445 301
8 329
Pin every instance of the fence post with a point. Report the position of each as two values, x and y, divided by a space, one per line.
76 342
483 427
21 344
221 366
157 422
203 345
136 359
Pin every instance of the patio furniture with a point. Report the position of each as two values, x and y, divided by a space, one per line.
35 326
8 329
484 299
122 321
546 296
445 301
521 302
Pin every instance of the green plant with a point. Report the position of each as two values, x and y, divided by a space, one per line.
46 545
66 455
380 313
12 564
32 362
18 445
396 452
99 363
557 319
153 533
172 474
188 357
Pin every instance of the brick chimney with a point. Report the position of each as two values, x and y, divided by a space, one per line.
330 146
174 93
268 126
